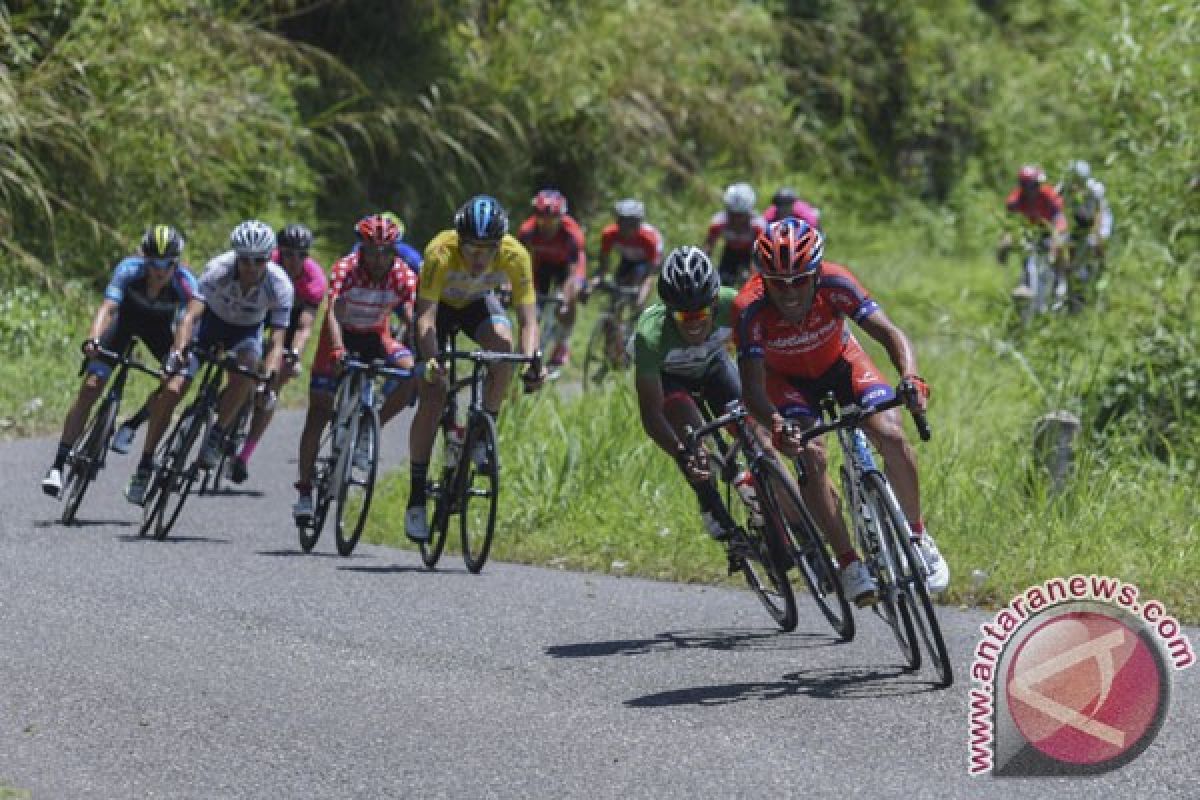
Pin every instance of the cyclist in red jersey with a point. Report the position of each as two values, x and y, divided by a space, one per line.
556 245
1040 204
793 347
737 226
638 246
363 290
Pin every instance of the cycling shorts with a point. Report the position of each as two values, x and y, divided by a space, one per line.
853 378
716 388
367 347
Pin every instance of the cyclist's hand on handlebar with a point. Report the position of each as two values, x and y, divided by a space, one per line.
694 463
785 436
535 376
90 347
174 364
915 392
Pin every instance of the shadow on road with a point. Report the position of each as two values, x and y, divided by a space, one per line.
301 553
232 493
396 568
83 523
767 639
840 683
174 539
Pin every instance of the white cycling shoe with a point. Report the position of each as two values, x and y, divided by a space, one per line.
858 585
938 575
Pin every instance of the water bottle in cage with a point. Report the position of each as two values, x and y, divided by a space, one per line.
745 487
454 442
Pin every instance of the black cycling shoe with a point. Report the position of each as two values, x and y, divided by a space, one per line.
237 471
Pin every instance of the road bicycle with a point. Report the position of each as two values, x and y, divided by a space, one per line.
1042 287
177 466
767 540
348 456
467 482
88 456
551 330
883 536
606 351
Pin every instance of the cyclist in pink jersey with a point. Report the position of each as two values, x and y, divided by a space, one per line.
786 204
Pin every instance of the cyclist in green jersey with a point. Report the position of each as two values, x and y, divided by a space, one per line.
681 351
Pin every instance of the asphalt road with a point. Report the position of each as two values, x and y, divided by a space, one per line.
223 663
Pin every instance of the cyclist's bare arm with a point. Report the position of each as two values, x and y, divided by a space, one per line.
527 320
424 324
654 421
274 358
183 332
333 325
304 329
754 392
899 348
105 314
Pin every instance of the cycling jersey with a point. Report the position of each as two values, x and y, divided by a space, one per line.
563 248
645 246
802 349
365 304
1045 205
447 279
308 291
1086 204
739 241
127 288
269 300
658 346
799 210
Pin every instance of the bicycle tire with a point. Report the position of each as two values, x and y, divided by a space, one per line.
441 492
811 557
359 506
477 545
181 472
229 448
309 534
769 549
595 356
909 563
894 604
86 465
154 501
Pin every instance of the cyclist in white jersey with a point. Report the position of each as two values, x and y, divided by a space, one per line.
239 291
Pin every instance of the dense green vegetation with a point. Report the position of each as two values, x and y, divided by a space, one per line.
903 121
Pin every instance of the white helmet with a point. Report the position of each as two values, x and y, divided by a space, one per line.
740 199
1079 171
252 239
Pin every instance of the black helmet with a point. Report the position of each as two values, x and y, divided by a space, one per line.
688 281
784 199
295 237
481 219
162 241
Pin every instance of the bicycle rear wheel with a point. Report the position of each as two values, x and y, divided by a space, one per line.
810 554
86 460
178 472
895 604
596 366
323 471
912 579
229 448
358 482
765 561
443 492
480 492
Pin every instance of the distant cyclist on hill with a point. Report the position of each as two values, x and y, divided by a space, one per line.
1088 213
556 246
786 204
637 245
736 227
146 294
1041 206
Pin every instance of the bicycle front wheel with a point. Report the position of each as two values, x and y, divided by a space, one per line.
179 471
86 460
480 491
810 554
911 576
323 470
879 555
361 458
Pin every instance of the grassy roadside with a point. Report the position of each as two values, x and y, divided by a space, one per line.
583 488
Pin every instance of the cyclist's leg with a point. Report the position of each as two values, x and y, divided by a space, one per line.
397 392
796 402
681 412
96 374
321 387
493 331
431 400
162 402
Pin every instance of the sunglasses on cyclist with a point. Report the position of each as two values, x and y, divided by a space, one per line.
789 281
162 263
699 315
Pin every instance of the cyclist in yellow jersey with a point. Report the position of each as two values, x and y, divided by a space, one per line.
463 266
